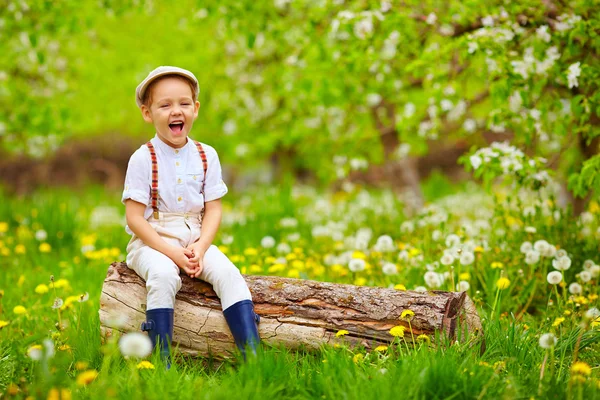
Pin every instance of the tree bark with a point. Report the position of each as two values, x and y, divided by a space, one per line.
293 313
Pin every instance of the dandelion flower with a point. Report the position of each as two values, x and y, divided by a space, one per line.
575 288
45 248
84 297
35 352
558 321
135 344
467 258
20 249
389 269
463 286
3 323
81 365
532 257
267 242
433 279
86 377
554 277
592 313
407 315
423 338
397 331
497 265
581 368
526 247
341 333
548 341
381 348
19 310
58 303
447 259
356 264
145 365
561 253
562 263
502 283
3 227
41 289
399 286
359 357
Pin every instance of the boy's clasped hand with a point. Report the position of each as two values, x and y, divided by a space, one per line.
189 259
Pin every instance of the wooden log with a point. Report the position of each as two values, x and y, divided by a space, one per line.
293 312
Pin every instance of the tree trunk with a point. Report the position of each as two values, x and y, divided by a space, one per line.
293 312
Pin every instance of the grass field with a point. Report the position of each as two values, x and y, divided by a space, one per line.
58 244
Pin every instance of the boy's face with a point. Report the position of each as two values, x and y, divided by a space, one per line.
172 111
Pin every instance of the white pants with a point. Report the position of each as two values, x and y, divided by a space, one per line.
162 274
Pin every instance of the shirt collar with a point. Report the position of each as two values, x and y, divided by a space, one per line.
168 149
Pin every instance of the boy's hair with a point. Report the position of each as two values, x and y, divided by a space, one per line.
147 97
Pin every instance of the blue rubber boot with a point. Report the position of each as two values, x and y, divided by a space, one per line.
243 322
159 325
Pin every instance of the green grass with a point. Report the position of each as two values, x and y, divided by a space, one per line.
508 369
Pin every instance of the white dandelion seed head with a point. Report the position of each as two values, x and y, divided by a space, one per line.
267 242
283 248
420 289
588 264
41 235
356 264
562 264
530 229
575 288
447 259
561 253
526 247
532 257
550 251
433 279
385 244
389 269
595 271
592 313
541 246
467 258
585 276
135 344
463 286
452 240
548 341
554 277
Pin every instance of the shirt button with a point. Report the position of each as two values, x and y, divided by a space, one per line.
179 198
177 163
176 151
179 180
194 177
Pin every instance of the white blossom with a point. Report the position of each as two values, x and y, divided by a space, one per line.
433 279
526 247
585 276
562 263
543 34
463 286
267 242
467 258
447 259
532 257
554 277
592 313
356 264
575 288
135 344
548 341
573 73
431 19
389 269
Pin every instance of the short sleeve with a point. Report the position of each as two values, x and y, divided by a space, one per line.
137 179
214 187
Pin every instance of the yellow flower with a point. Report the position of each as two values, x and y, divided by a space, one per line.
3 323
270 260
145 365
593 297
341 332
81 365
20 249
64 347
299 264
360 281
407 315
502 283
558 321
293 273
3 227
250 251
399 286
21 280
41 288
359 357
19 310
359 254
397 331
291 256
45 248
465 276
61 283
256 269
63 394
497 265
381 348
276 268
478 249
86 377
581 368
5 251
423 338
568 312
224 249
414 252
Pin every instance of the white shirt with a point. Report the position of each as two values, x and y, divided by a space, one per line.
180 177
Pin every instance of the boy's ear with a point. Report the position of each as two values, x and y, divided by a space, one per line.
146 113
196 108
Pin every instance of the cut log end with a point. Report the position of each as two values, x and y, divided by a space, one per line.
293 312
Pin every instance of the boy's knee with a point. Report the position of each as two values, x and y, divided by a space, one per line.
166 276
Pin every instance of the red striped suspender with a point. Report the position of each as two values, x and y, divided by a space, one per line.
154 186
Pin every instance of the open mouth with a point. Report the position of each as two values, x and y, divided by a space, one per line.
176 127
